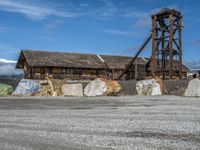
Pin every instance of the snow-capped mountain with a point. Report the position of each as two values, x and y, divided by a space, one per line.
7 61
7 68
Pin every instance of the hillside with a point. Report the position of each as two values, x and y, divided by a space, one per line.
8 73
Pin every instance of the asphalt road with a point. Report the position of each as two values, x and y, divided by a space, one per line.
165 122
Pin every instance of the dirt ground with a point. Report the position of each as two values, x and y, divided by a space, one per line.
132 122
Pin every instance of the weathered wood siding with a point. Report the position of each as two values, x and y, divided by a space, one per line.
64 73
136 72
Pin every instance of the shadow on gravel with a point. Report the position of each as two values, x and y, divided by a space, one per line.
143 134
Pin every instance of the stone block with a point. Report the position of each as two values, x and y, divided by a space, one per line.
72 89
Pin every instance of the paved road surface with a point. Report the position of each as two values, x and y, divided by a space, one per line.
165 122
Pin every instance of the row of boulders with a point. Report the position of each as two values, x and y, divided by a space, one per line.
28 87
98 87
158 87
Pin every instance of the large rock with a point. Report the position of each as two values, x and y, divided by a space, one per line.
72 89
162 86
46 88
27 88
176 87
99 87
5 90
148 87
193 88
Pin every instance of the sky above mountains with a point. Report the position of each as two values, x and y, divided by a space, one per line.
116 27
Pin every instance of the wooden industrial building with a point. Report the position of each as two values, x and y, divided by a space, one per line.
74 66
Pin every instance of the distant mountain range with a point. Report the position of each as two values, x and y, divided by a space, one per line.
7 69
195 68
7 61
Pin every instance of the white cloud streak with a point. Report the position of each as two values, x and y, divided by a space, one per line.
118 32
33 11
107 9
193 63
53 25
124 33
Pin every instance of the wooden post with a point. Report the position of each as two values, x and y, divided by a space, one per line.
171 19
136 71
163 54
180 48
46 74
153 64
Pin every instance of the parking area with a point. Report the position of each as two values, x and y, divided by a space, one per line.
130 122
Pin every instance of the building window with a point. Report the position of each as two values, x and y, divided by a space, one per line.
42 70
57 70
49 70
71 72
37 70
63 70
97 72
80 72
86 72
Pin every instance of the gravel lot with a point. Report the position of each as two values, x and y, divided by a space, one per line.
163 122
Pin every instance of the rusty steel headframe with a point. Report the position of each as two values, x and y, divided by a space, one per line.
166 39
166 43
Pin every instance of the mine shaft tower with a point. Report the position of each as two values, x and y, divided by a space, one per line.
166 38
166 44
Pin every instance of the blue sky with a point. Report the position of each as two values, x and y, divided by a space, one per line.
116 27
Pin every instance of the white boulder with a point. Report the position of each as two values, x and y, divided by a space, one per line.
27 87
148 87
72 90
193 88
99 87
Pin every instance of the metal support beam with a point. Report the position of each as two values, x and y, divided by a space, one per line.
136 71
134 58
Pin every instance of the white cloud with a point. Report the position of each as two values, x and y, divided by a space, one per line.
84 4
3 29
53 24
124 33
4 47
7 61
34 11
197 42
118 32
8 51
143 19
192 63
9 69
